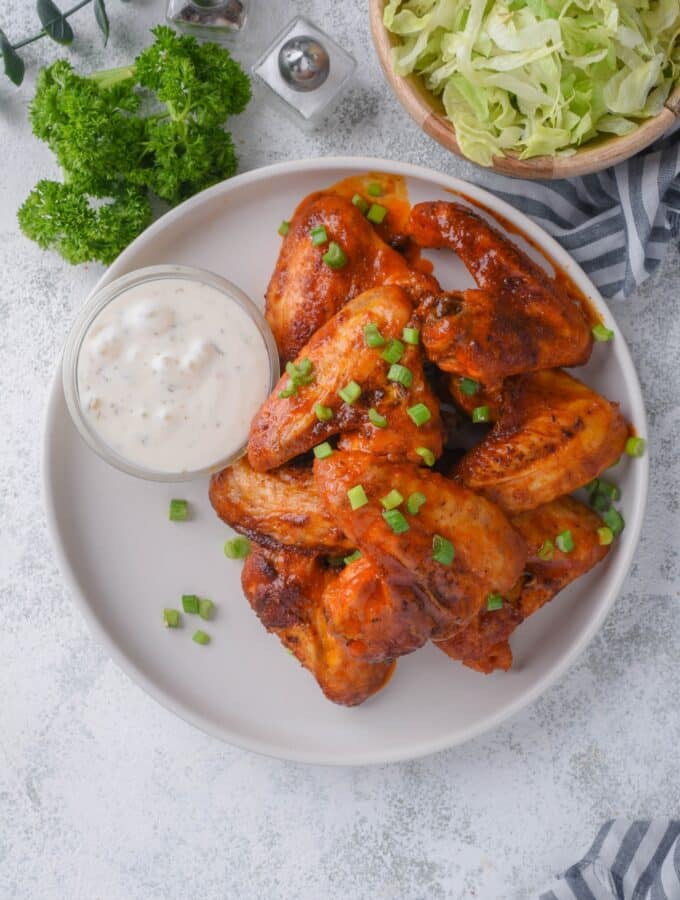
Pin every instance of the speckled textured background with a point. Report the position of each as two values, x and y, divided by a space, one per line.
103 794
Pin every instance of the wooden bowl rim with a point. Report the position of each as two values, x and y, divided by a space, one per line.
427 111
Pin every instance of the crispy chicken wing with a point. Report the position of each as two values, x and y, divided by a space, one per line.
285 590
489 554
553 435
288 426
276 508
304 292
520 319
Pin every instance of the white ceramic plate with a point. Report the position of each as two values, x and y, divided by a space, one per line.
125 561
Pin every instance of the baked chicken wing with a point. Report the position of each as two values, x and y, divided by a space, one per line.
553 435
519 320
289 424
285 589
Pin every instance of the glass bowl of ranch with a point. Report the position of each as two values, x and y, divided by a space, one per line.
164 370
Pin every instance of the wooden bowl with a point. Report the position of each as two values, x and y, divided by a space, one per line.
428 112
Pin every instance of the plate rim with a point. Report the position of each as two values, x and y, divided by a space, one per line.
546 242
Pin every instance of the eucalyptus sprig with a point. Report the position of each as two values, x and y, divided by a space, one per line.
55 26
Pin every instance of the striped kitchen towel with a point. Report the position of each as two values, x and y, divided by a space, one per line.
629 860
617 223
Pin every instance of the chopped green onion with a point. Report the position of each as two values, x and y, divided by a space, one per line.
400 374
361 204
374 189
335 561
205 608
411 336
319 235
305 366
353 557
426 455
394 351
635 446
171 618
468 386
350 393
323 413
592 486
301 373
601 333
605 536
396 521
614 520
376 214
565 541
335 256
237 548
414 502
290 391
179 511
481 414
200 637
546 551
600 502
372 335
284 228
376 419
190 603
612 491
419 414
357 496
494 602
392 500
442 550
323 451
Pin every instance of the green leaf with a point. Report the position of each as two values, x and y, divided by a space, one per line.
14 64
102 19
54 22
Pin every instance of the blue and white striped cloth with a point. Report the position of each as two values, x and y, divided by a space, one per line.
617 223
629 860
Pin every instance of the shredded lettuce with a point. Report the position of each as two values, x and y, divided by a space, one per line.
539 76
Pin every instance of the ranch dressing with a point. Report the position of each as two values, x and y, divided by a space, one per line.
170 374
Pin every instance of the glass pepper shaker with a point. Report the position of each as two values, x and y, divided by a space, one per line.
211 19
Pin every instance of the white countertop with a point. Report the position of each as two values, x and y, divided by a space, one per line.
104 794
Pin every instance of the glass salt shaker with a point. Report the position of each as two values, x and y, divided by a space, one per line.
210 19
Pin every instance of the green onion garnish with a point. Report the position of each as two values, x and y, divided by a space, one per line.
400 374
605 536
353 557
481 414
614 520
612 491
392 500
323 413
290 391
284 228
305 366
468 386
600 502
372 335
601 333
190 603
323 451
205 608
361 204
419 414
335 256
396 521
591 487
411 336
374 189
376 214
171 618
493 602
350 393
426 455
376 419
179 510
319 235
200 637
300 373
414 502
237 548
442 550
394 351
357 496
565 541
635 446
546 551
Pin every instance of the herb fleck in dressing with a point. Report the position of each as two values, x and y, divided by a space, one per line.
170 374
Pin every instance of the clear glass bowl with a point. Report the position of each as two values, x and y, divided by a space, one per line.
95 304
